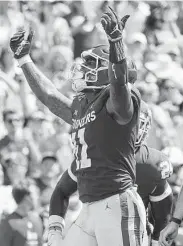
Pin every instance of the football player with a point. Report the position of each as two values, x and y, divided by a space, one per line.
104 119
153 168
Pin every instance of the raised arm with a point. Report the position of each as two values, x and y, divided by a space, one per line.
120 103
42 87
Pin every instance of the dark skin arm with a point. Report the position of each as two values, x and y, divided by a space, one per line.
65 187
119 104
47 93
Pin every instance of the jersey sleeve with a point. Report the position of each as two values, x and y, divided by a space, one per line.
161 161
148 160
142 155
156 156
150 156
72 171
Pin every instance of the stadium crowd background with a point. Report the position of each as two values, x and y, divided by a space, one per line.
35 146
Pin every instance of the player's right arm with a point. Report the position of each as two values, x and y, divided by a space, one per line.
42 87
120 104
65 187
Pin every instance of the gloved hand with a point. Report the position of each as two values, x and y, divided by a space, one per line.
56 225
54 237
20 43
112 25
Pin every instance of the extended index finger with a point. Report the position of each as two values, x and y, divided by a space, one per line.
113 12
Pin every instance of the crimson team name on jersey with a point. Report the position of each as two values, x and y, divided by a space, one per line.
83 121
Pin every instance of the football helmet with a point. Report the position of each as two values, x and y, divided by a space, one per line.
145 122
92 71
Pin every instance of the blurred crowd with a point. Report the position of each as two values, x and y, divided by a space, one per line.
35 146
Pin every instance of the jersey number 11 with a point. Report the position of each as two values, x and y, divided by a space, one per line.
80 149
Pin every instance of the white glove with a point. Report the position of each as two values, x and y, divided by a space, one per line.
154 243
56 226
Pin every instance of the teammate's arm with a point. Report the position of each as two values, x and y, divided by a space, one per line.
42 87
59 202
120 103
169 233
161 200
178 213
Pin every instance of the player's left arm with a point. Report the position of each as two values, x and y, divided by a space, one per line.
59 202
119 104
161 200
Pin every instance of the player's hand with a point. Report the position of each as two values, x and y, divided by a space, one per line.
112 25
54 237
56 225
166 169
154 243
20 43
168 234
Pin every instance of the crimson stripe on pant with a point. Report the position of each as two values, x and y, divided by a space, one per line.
137 226
124 219
130 222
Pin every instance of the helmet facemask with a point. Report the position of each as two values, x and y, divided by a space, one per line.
87 74
145 122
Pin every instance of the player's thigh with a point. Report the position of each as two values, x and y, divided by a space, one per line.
118 222
107 213
77 237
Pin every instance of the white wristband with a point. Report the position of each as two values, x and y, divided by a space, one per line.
154 243
55 220
23 60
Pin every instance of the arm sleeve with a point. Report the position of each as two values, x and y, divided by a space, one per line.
142 155
65 187
72 171
161 206
5 233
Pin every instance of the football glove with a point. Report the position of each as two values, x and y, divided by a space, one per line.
20 43
114 30
166 169
112 25
56 225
